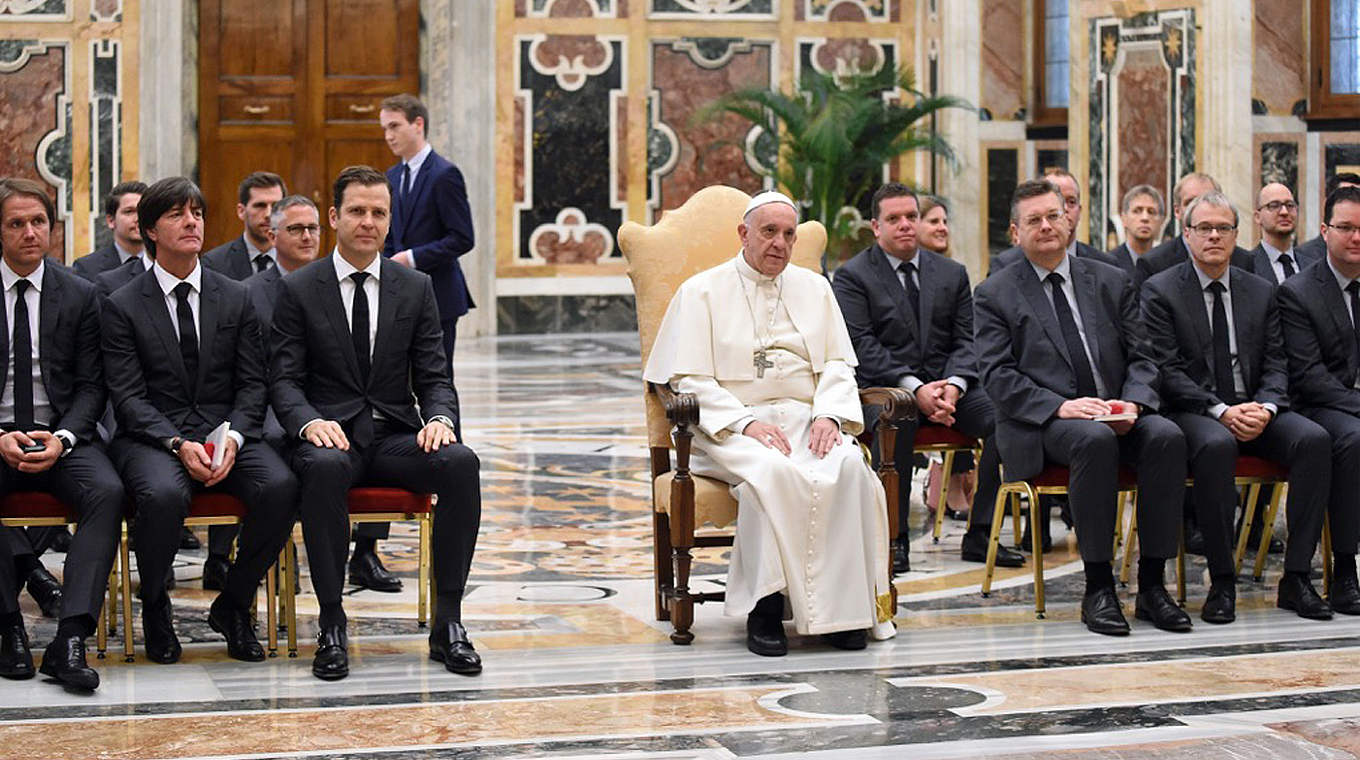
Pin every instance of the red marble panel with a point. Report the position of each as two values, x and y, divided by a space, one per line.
621 149
1003 58
1144 90
571 9
28 111
854 54
520 149
711 151
1280 65
105 8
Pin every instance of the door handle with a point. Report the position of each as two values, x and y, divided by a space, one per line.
255 110
356 108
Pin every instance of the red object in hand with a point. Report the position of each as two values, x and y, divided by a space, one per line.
1116 407
208 447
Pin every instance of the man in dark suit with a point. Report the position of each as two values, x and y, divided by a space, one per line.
51 393
910 315
1215 333
1067 185
356 347
253 251
1275 258
1320 312
182 354
1317 247
1142 213
1174 251
120 213
1060 344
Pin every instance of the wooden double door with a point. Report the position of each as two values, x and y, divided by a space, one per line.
293 87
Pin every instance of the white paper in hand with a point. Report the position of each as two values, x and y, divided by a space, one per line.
216 445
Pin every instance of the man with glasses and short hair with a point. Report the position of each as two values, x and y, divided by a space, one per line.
1275 258
1320 312
1071 193
1175 250
1317 247
253 251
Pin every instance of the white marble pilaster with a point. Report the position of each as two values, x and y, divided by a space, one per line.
167 134
459 87
1225 53
961 75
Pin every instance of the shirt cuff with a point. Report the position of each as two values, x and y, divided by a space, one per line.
740 425
442 418
1272 408
67 436
959 383
1216 411
302 432
910 383
235 436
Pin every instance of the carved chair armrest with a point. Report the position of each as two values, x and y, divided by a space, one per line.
682 409
898 405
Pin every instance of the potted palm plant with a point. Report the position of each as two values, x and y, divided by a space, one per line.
833 136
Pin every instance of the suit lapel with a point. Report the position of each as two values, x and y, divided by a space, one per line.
209 304
388 293
399 213
1033 290
422 179
926 276
154 303
1260 262
49 320
892 284
328 291
1247 331
1088 303
1204 332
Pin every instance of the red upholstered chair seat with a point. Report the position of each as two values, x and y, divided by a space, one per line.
216 505
363 500
939 435
1255 467
34 504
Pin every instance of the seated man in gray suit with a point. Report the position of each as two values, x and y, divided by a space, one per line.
1175 251
120 214
1060 345
1215 333
1317 247
1142 214
1275 258
910 315
1067 185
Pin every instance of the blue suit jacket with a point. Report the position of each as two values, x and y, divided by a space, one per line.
436 224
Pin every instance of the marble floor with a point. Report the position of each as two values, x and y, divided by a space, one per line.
576 666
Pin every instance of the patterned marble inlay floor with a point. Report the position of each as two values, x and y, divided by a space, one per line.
561 607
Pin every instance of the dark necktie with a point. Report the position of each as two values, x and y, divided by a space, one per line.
23 360
1287 264
1223 374
358 324
1081 361
405 182
188 334
262 263
1354 290
913 292
135 263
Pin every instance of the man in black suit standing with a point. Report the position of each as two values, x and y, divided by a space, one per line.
51 393
1071 193
1061 344
182 354
1275 258
910 315
1317 247
1175 251
356 348
253 251
120 213
1320 312
1142 213
1215 333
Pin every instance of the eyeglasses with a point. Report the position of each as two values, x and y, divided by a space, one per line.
1038 219
298 230
1207 229
1275 207
1346 230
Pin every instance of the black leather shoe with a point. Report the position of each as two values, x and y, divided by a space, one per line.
1156 606
901 562
1027 540
45 590
1344 595
158 626
215 569
974 549
1194 542
1101 613
955 514
765 635
331 662
855 639
187 539
64 660
16 662
1220 606
1297 594
449 644
234 624
367 571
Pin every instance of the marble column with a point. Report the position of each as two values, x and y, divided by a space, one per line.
1224 78
167 131
459 87
961 75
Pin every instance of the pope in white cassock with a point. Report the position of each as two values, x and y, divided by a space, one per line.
763 346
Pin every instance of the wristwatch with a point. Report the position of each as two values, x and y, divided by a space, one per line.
174 445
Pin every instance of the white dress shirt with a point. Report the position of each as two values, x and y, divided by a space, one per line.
168 282
910 383
1274 255
343 270
417 161
124 256
1064 268
253 253
42 406
1239 383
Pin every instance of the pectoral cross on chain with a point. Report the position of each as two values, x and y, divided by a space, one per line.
762 363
